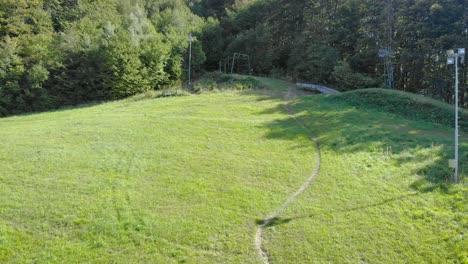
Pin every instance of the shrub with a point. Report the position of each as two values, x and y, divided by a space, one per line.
347 79
217 80
205 85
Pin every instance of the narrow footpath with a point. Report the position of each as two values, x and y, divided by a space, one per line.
259 236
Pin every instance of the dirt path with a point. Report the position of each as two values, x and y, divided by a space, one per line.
271 217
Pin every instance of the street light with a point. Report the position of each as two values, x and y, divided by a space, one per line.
190 39
452 59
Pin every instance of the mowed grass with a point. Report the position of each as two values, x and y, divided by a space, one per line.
170 180
187 179
383 194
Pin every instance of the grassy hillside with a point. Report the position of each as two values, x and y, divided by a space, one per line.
160 181
186 179
408 105
383 194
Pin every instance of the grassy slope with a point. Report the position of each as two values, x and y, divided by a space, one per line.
411 106
184 179
161 181
381 196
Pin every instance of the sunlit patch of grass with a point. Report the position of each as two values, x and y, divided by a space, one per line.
179 179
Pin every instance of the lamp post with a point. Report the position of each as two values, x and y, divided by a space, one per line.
452 58
190 39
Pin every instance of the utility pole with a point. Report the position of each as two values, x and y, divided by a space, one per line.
391 24
386 52
455 175
386 55
190 39
453 59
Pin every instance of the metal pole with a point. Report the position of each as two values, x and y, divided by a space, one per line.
190 62
456 120
390 77
233 60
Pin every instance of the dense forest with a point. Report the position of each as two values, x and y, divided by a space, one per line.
337 42
62 52
65 52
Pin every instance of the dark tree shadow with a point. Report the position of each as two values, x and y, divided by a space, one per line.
273 221
344 129
56 110
281 221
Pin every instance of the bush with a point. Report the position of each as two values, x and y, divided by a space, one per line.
347 79
248 83
217 80
205 85
218 77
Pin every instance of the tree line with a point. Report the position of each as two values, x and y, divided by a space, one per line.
66 52
336 42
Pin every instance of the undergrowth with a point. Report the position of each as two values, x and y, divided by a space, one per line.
219 81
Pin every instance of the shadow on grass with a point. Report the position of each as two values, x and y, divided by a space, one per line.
273 221
281 221
56 110
154 94
344 129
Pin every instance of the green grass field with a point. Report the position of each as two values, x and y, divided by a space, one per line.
383 194
186 179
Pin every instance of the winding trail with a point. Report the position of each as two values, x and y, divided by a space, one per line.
271 217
